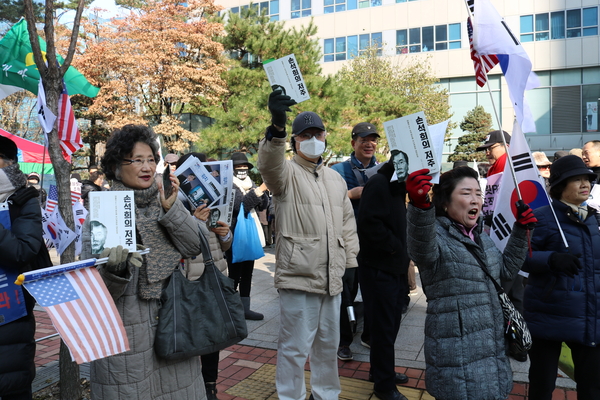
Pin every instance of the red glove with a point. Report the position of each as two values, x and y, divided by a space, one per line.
525 216
417 185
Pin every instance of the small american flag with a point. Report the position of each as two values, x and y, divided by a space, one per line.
68 134
482 64
83 313
52 199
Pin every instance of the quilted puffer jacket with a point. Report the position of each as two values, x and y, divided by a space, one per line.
465 350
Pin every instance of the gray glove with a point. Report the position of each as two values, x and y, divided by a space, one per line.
117 259
135 259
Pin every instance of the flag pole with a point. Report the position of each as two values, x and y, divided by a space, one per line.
487 82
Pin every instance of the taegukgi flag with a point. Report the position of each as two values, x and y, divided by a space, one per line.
531 186
492 36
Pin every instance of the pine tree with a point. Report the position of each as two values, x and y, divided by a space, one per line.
477 123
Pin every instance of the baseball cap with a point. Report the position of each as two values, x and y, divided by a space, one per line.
494 137
306 120
364 129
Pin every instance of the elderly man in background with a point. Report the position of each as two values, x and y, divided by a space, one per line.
591 157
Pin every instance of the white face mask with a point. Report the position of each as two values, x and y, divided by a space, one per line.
312 148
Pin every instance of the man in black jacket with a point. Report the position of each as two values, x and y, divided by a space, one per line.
21 244
383 265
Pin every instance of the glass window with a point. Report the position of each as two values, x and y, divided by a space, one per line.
542 27
573 23
441 37
328 50
274 11
527 28
352 4
414 37
557 25
566 77
235 10
301 8
352 46
340 5
401 41
454 30
364 43
328 7
591 75
363 3
427 41
539 103
589 97
590 21
340 49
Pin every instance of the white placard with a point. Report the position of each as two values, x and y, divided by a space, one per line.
409 139
285 73
112 220
197 184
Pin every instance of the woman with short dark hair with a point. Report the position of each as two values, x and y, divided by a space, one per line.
465 347
562 296
135 282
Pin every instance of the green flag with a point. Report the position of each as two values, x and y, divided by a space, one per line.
20 72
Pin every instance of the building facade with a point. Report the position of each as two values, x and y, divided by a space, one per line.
561 38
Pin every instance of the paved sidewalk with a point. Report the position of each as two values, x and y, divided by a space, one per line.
247 370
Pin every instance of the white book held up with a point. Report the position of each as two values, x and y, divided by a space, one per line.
286 73
112 220
409 138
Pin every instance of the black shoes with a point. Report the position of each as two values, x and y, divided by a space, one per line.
391 395
211 391
399 379
366 343
344 353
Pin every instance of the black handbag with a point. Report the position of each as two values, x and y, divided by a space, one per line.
515 328
199 317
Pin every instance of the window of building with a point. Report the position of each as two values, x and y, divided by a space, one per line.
301 8
403 1
271 8
347 48
560 24
368 3
428 38
331 6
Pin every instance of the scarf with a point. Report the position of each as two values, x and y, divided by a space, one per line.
164 257
11 179
244 185
580 211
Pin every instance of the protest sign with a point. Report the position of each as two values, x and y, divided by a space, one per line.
411 145
198 185
112 220
285 72
222 171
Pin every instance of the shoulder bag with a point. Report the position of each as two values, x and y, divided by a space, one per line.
199 317
515 327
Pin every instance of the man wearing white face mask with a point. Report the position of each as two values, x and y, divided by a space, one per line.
316 241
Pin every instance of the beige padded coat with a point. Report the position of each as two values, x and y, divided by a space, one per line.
316 232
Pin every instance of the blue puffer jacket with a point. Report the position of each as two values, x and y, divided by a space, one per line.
558 307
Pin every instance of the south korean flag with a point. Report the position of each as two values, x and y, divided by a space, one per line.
531 186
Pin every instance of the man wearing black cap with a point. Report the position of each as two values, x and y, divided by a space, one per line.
20 244
354 171
495 151
316 242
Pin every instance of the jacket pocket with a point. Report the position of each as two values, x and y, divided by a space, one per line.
303 255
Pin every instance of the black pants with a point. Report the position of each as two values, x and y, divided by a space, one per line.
210 367
350 281
383 296
544 355
241 273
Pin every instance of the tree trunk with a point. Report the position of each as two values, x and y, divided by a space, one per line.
70 387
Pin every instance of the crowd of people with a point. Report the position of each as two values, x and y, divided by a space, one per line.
360 225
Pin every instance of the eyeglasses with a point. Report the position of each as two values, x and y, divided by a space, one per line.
138 162
367 140
543 167
307 136
492 147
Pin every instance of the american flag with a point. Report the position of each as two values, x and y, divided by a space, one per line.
83 313
52 199
482 64
68 134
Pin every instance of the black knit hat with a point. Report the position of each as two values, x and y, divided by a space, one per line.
240 158
8 149
567 167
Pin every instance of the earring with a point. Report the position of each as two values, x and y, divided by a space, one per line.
445 209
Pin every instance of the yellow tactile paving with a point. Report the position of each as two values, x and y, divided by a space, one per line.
261 386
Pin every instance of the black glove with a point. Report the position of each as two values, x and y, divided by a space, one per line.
525 216
566 263
279 103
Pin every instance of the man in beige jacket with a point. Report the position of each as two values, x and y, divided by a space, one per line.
316 241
